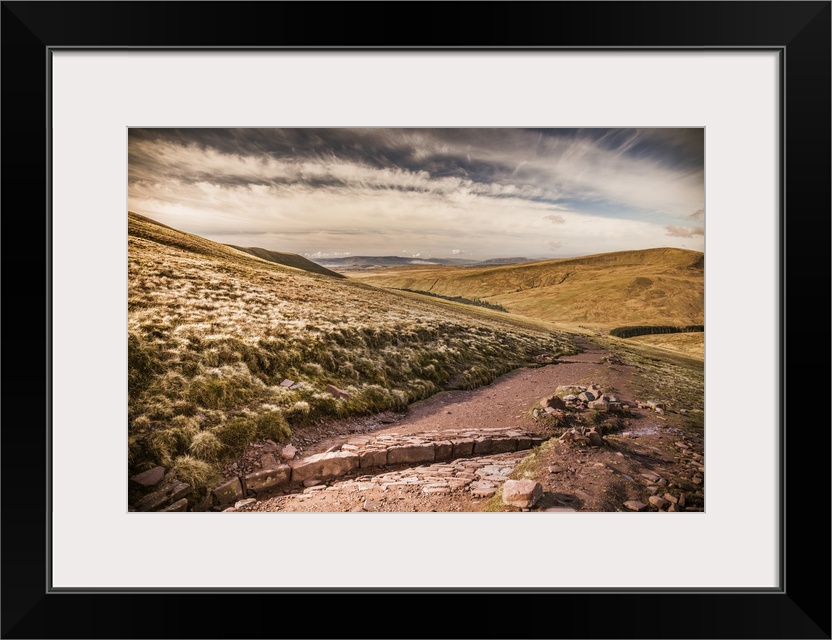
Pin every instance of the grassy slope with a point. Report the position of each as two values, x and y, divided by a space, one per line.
692 344
289 260
654 286
212 331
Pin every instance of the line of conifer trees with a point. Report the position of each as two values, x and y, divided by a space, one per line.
646 330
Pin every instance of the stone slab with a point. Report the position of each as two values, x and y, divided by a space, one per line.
369 458
411 453
503 445
179 505
269 478
443 451
324 465
149 478
463 447
229 491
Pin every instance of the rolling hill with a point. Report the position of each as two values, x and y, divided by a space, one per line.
288 260
654 286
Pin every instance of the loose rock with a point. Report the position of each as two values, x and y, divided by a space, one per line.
522 493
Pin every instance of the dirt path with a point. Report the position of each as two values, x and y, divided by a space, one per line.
575 477
503 403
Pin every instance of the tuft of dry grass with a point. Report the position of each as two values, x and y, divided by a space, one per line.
197 473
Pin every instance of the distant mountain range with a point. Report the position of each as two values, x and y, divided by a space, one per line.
361 263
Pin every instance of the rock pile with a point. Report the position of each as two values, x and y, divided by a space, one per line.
578 397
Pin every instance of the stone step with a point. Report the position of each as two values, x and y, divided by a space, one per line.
440 456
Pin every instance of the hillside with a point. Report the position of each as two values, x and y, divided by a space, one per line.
225 348
143 227
654 286
288 260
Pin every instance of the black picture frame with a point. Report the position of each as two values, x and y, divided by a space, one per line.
799 31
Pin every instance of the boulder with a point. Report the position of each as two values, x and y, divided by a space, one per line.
522 493
595 439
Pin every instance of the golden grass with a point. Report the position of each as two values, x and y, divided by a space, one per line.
654 286
691 344
213 331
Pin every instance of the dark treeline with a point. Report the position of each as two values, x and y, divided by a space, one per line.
646 330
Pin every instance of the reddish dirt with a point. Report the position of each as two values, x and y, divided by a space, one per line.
573 476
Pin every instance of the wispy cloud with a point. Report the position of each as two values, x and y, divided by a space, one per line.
482 192
684 232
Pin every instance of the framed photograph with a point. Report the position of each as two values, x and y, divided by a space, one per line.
700 128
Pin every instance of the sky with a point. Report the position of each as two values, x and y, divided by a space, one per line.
425 193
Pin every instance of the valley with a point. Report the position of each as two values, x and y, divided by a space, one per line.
247 366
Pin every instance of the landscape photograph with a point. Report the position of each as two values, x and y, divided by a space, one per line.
422 320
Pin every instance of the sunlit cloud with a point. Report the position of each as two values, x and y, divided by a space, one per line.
475 192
